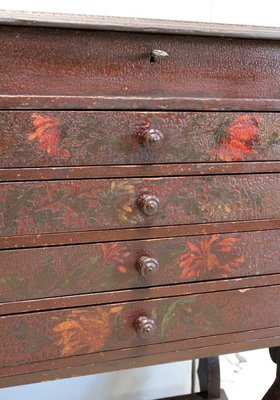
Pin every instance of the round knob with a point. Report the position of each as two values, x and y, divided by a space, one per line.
147 266
148 204
152 139
145 327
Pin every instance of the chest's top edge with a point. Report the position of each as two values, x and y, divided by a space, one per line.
78 21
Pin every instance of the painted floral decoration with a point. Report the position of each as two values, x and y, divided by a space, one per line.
83 331
238 140
115 254
210 255
46 131
122 195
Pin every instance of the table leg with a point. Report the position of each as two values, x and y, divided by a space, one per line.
274 392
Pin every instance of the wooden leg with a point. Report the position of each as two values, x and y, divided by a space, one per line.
209 380
209 377
274 392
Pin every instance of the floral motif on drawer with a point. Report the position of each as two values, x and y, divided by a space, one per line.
70 138
68 206
47 335
70 270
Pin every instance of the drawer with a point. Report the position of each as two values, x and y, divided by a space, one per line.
54 334
96 64
57 138
69 270
68 206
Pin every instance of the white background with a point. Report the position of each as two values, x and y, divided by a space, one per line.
170 379
258 12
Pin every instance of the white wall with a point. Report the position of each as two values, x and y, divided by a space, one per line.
138 384
169 379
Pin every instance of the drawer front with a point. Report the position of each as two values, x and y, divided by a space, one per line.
69 270
67 206
69 62
103 138
55 334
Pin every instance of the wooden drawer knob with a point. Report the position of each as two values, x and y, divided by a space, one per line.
152 139
148 204
145 327
147 266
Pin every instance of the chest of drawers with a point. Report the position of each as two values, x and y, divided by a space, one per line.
140 201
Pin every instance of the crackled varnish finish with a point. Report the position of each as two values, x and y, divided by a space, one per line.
136 189
67 270
50 335
117 64
65 206
32 139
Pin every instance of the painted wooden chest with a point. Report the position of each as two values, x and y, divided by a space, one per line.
139 193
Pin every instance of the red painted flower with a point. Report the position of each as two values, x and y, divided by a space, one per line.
239 139
114 254
47 133
210 255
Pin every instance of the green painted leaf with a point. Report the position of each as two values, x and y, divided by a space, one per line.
171 310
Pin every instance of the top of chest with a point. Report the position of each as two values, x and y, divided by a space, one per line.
76 62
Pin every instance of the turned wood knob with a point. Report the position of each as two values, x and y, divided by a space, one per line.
145 327
156 54
148 204
147 266
152 139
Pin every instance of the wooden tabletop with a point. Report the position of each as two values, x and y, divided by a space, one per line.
26 18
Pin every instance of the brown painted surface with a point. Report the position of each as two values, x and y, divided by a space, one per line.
134 357
68 270
30 102
135 362
32 139
118 64
142 293
68 206
50 335
140 170
55 239
216 293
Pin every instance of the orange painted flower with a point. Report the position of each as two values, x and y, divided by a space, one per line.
239 139
47 133
115 254
210 255
84 331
